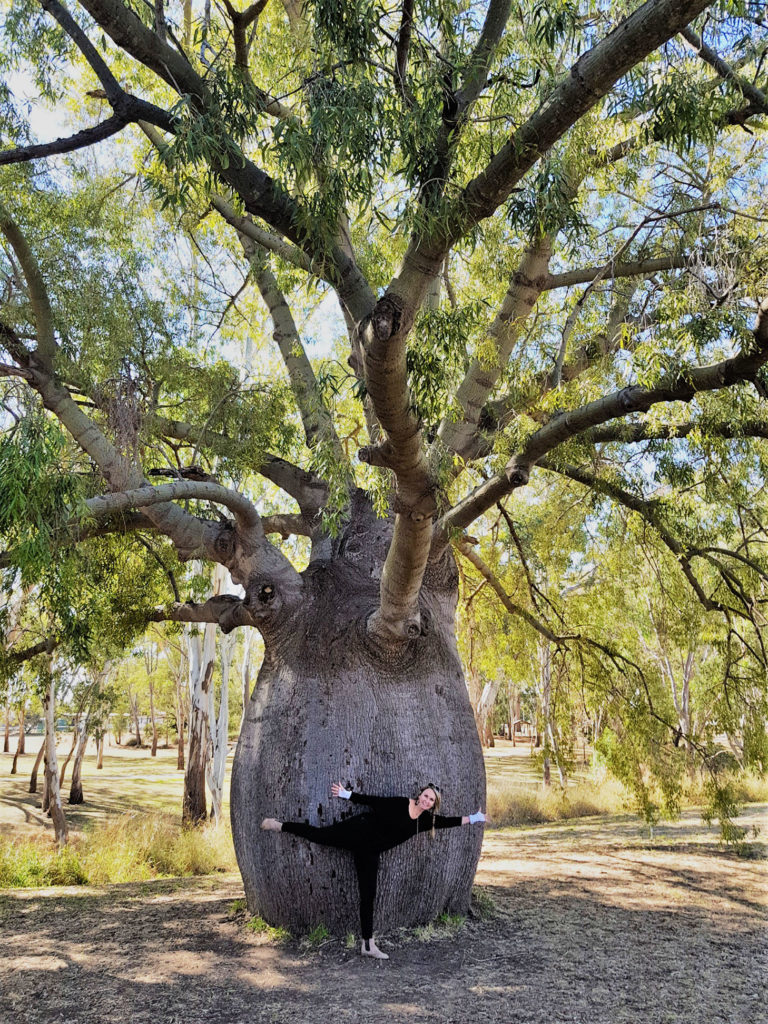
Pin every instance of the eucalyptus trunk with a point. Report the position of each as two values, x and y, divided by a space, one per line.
52 792
200 655
36 768
332 703
76 787
20 743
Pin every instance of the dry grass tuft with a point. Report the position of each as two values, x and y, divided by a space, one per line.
509 804
132 848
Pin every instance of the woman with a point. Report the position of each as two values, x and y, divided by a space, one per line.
392 820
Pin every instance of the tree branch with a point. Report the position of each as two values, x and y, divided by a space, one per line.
310 492
317 422
514 609
225 610
577 92
749 91
141 497
648 509
682 388
245 226
636 433
38 293
638 268
87 137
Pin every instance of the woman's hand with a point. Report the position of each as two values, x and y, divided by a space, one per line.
338 790
477 816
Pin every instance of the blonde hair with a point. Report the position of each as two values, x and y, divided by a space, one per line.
435 806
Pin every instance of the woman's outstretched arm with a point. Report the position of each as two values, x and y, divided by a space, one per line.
446 821
362 798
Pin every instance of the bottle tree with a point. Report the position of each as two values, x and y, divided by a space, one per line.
538 225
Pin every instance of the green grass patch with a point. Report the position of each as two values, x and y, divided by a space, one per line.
317 936
261 927
132 848
483 905
445 926
32 864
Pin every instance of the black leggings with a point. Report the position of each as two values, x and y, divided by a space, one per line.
352 835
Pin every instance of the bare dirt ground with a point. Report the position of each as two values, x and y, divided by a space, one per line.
591 923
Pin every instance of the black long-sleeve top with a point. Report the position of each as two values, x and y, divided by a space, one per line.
390 823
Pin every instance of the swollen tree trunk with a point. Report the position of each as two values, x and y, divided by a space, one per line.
76 788
52 793
331 704
7 735
100 751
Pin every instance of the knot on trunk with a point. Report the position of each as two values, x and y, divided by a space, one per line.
377 455
386 317
417 511
518 473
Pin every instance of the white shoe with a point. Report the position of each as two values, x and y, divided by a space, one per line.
373 950
272 825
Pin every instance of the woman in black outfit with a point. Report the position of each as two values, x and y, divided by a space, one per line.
391 820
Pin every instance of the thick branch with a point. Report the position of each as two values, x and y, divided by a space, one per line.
44 647
287 524
318 425
639 268
683 388
245 226
636 433
141 497
224 607
87 137
308 490
261 194
482 376
38 293
588 81
403 48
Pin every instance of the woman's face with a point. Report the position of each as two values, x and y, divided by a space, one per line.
426 800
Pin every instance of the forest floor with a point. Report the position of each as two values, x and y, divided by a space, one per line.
583 921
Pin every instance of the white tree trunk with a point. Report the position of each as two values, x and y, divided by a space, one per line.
52 793
200 655
218 724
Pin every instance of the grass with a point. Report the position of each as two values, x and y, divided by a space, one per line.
445 926
512 804
131 848
260 927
